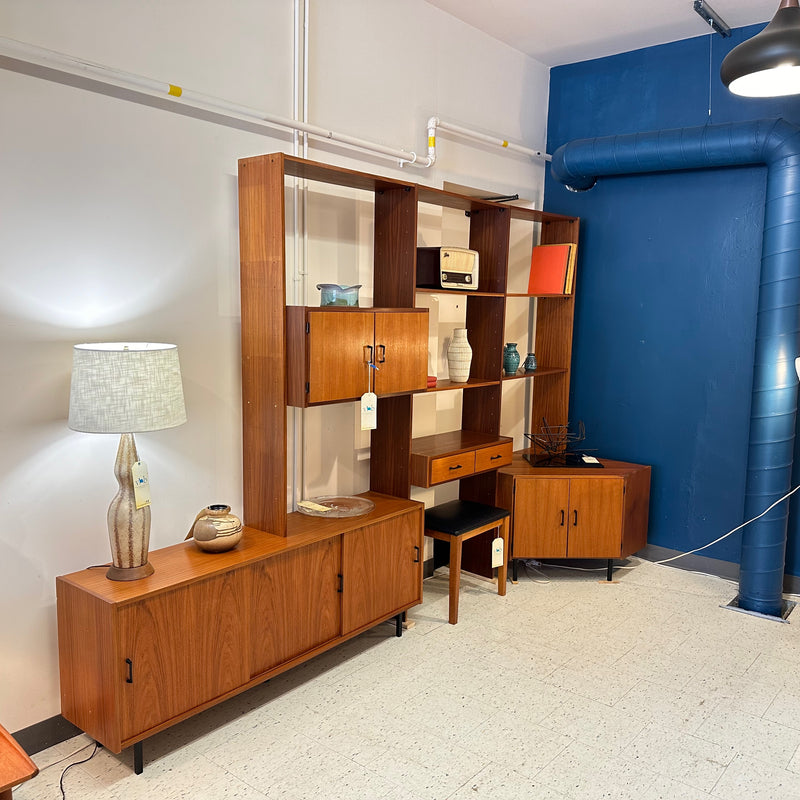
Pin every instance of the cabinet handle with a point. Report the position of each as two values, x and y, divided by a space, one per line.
416 554
369 357
457 466
575 518
129 664
494 458
381 353
562 518
340 590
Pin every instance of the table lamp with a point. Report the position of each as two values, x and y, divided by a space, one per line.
127 388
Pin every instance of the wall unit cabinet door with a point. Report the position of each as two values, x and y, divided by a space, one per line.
295 604
382 568
180 649
595 517
540 516
330 351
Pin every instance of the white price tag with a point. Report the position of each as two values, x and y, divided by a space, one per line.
369 411
141 484
497 552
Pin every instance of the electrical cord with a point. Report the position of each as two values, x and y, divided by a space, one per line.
64 758
97 746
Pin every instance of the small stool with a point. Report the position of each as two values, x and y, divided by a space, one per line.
457 521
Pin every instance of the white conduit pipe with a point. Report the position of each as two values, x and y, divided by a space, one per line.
60 62
435 122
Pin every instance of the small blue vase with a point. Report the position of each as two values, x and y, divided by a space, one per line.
530 363
510 358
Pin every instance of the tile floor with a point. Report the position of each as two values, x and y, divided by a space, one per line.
571 689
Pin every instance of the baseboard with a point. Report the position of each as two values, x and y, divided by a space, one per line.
711 566
46 733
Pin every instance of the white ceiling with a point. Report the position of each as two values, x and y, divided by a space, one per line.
577 30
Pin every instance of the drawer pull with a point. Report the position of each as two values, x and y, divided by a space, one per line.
494 458
457 466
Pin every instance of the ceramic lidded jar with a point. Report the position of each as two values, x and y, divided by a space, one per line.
215 529
459 356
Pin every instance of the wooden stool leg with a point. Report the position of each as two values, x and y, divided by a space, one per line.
455 577
502 570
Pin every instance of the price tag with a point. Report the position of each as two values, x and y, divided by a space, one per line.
369 411
141 484
497 552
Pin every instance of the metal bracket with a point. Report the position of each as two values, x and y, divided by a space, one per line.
712 18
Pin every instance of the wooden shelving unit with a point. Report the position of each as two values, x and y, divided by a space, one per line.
396 208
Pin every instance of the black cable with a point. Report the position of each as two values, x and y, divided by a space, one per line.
75 764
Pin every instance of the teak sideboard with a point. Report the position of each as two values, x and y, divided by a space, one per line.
137 657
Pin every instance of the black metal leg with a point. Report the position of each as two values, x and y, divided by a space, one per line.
514 575
609 569
399 623
138 758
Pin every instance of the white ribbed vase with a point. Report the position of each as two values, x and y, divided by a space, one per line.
459 356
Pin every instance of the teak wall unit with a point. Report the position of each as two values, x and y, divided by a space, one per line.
137 657
270 332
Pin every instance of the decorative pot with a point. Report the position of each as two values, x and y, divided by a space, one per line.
530 363
215 529
510 358
459 356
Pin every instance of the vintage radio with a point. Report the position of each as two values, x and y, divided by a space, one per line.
447 268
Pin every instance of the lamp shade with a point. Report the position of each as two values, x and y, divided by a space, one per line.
768 65
125 387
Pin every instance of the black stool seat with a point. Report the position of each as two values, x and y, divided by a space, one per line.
461 516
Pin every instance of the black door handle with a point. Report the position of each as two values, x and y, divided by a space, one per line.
575 518
129 663
341 583
416 554
562 518
381 353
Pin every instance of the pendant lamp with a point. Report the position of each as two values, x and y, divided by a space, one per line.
768 65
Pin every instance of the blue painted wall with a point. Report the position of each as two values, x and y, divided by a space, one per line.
667 288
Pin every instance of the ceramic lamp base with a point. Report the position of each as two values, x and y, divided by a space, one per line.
129 573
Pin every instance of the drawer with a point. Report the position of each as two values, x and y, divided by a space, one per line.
491 457
450 468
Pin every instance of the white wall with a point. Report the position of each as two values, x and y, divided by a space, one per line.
118 221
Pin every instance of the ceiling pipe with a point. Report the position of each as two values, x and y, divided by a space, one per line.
468 133
773 415
19 56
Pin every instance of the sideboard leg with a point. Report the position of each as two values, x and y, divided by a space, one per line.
398 621
609 569
138 758
514 572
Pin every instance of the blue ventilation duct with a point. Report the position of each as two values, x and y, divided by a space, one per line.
775 143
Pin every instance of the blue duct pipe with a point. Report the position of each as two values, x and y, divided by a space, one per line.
775 143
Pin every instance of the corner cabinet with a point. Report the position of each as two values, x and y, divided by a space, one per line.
575 512
137 657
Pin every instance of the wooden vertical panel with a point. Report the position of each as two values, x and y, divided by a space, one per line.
489 234
637 510
485 331
296 356
480 409
390 452
90 691
395 246
263 283
295 605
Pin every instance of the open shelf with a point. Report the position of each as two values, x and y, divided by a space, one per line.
447 385
462 292
537 373
522 294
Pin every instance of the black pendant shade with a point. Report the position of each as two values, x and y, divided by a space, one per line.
768 65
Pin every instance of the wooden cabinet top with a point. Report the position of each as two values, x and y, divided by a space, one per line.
184 563
519 467
454 442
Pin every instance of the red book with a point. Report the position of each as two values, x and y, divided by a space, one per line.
549 265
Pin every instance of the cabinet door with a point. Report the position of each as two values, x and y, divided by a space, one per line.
338 354
180 649
540 518
295 604
382 567
401 352
595 517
